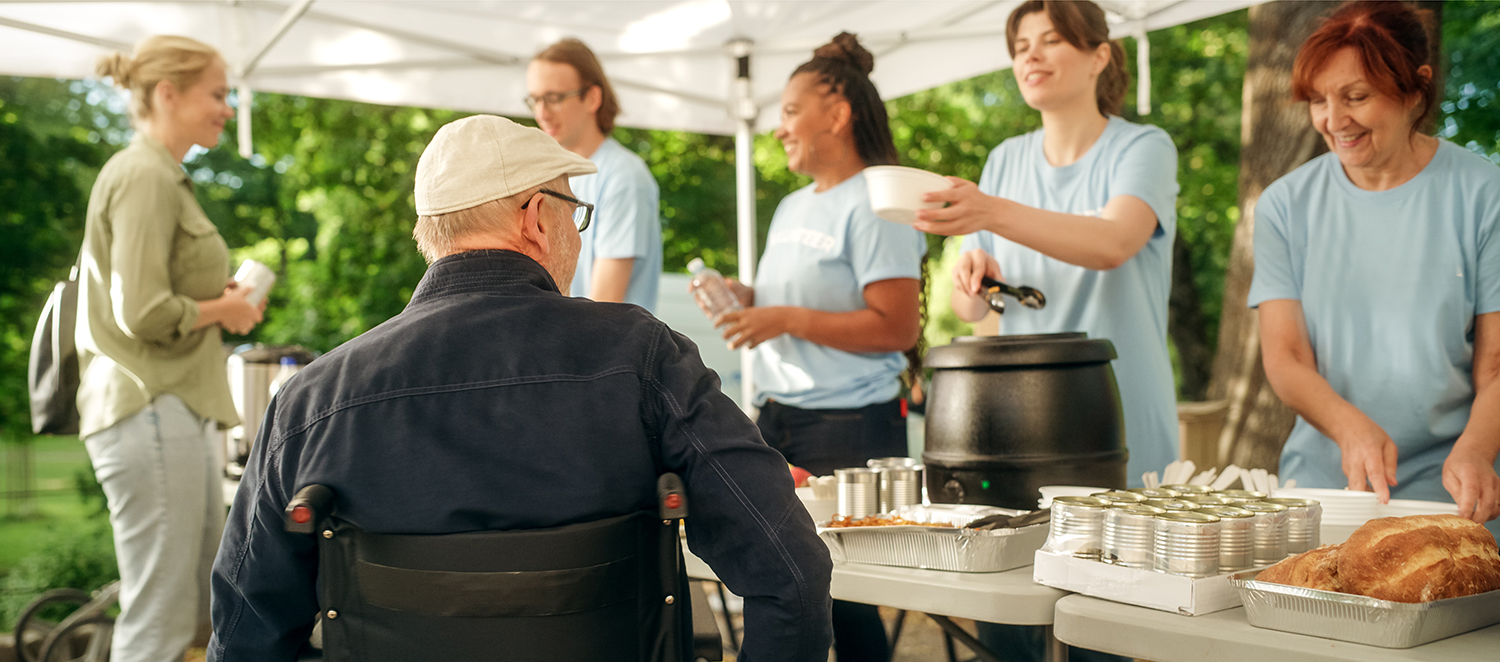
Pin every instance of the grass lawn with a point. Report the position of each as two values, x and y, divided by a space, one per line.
56 460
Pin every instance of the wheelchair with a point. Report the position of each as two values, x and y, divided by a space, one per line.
82 636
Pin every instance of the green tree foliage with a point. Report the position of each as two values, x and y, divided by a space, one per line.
1470 113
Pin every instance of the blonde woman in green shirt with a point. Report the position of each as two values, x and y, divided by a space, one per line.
152 301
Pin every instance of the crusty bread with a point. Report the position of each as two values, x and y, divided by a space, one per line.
1317 568
1419 559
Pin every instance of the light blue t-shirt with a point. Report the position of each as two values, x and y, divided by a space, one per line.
822 250
626 222
1390 282
1128 304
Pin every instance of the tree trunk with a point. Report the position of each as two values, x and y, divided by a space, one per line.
1187 325
1278 137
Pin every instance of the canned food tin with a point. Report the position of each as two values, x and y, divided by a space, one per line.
1240 496
1187 544
899 486
859 491
1172 504
1236 546
1120 497
1304 519
1154 492
1205 499
1129 536
1269 532
1077 526
1184 489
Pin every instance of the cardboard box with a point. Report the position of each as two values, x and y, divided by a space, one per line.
1145 588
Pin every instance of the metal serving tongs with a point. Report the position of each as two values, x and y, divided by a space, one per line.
1011 521
1028 296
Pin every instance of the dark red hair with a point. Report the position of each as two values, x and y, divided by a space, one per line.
1391 41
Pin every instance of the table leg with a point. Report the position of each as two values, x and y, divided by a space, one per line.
734 640
1056 651
963 637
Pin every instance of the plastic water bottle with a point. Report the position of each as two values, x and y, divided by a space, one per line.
289 367
711 291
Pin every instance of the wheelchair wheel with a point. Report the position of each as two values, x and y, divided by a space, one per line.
61 645
33 622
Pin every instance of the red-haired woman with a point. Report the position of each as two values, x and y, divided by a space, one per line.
1377 278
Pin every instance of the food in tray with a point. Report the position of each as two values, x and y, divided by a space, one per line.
1413 559
840 521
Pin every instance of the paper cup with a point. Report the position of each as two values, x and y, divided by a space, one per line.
258 277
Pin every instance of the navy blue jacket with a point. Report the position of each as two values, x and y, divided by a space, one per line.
492 403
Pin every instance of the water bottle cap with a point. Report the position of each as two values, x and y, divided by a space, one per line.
696 265
287 360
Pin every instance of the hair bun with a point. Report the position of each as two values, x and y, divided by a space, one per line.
846 47
118 66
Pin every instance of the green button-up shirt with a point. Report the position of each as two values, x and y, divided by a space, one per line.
150 255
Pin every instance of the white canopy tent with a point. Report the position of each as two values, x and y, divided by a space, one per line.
710 66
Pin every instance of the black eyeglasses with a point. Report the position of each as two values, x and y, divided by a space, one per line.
553 98
583 212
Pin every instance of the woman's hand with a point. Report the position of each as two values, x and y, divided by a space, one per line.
1470 477
973 266
235 314
1369 457
753 326
968 210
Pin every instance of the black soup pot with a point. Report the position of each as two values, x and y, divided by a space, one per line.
1009 414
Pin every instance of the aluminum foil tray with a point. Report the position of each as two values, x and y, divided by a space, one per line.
938 548
1358 619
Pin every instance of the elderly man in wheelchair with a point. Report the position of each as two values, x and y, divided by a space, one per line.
498 472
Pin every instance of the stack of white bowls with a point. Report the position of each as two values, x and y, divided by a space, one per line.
1050 491
1404 507
1346 510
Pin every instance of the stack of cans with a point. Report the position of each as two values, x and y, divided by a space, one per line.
1268 533
1187 544
859 491
1236 547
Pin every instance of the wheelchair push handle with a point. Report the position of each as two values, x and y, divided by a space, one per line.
311 505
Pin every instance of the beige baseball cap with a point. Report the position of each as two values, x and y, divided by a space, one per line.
482 158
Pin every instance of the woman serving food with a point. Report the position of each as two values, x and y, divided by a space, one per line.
1377 278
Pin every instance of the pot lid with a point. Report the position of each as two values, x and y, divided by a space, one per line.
1001 351
260 353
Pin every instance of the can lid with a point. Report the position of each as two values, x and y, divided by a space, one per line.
1188 489
1172 504
1188 518
1293 502
1081 502
1120 496
1139 508
1225 511
1205 499
1241 494
1155 492
881 462
1263 507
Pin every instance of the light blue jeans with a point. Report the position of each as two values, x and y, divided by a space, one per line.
163 478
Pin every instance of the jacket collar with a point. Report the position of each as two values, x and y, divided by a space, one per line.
481 271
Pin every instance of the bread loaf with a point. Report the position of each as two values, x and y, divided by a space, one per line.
1419 559
1317 568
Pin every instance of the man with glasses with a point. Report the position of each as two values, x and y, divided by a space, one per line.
495 402
575 104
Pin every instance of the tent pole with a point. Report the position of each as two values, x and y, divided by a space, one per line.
745 113
246 100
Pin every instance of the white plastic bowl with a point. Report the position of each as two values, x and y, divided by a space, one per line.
896 191
1051 491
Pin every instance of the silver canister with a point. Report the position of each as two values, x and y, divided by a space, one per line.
1118 497
859 491
1187 544
1269 533
1185 490
1173 504
1077 526
1155 492
1238 497
1304 519
1129 536
1205 500
1236 546
900 486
